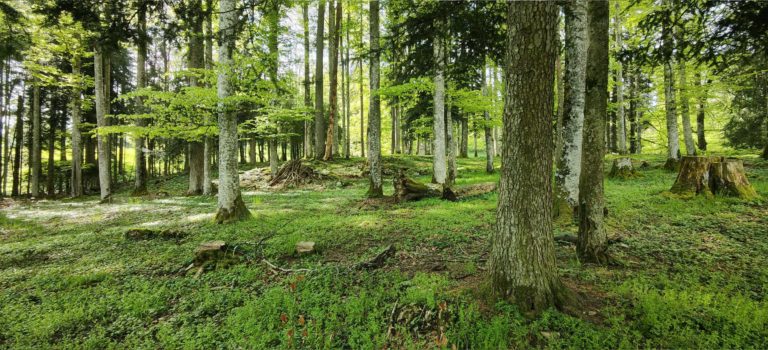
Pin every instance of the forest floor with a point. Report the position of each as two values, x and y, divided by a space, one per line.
694 272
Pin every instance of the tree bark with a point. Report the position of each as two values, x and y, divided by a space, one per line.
701 112
374 113
105 188
592 240
673 141
464 142
450 142
230 202
308 138
438 160
487 127
360 81
690 146
140 165
319 112
334 16
50 183
19 136
633 124
196 59
35 157
569 161
621 123
522 258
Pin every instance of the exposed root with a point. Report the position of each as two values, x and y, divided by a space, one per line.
237 213
293 173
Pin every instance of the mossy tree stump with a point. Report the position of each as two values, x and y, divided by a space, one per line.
712 175
407 189
622 169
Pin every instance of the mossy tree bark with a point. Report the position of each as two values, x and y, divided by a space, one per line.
622 169
592 240
712 175
374 113
230 203
522 261
569 160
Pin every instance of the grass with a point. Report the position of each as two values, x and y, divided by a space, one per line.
695 272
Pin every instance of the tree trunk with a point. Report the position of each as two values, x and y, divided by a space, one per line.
252 151
273 161
35 157
50 178
196 59
19 136
374 114
308 138
105 188
712 175
230 202
450 142
633 124
701 112
621 123
487 128
569 161
690 146
673 143
319 112
438 160
622 169
464 145
140 166
522 258
347 149
76 179
592 241
334 16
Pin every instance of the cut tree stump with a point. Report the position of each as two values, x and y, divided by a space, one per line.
727 178
712 175
215 254
622 169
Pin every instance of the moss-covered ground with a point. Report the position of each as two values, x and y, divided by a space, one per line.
694 273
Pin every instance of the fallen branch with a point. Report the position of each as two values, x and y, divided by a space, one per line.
378 260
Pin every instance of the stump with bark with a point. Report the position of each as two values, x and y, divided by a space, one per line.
407 189
622 169
712 175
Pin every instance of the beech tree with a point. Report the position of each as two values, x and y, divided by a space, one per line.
374 114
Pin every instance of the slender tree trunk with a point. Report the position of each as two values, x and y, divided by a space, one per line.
319 112
374 114
50 178
101 121
621 123
450 142
673 143
488 127
464 145
140 164
196 59
35 157
569 161
522 258
19 136
633 113
76 180
308 138
7 137
690 146
438 160
347 149
230 203
207 140
592 240
334 16
701 112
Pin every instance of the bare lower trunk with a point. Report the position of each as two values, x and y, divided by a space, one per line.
273 161
700 113
319 112
101 121
19 136
690 146
196 168
207 181
374 114
592 240
673 141
35 156
621 124
487 128
230 203
140 165
438 160
522 258
450 142
569 161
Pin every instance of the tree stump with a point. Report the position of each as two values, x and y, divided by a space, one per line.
407 189
622 169
727 178
215 254
712 175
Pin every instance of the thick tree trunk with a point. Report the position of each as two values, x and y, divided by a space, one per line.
319 112
592 241
230 202
105 188
196 59
374 113
35 157
273 161
569 161
690 146
19 136
622 169
438 160
196 168
522 258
